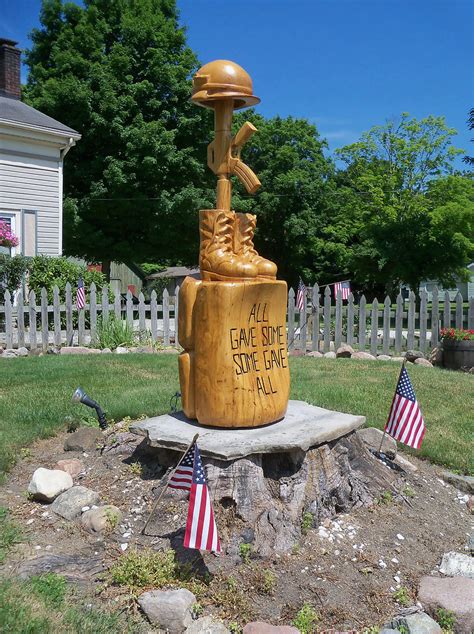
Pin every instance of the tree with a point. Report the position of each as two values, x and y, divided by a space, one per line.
118 71
470 122
294 219
407 208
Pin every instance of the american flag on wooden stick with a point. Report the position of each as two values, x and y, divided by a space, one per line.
201 529
183 475
80 295
301 296
405 422
344 288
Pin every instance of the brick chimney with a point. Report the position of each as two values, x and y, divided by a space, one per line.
10 85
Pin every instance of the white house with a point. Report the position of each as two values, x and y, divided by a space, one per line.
32 151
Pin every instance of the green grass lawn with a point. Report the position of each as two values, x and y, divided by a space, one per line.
35 396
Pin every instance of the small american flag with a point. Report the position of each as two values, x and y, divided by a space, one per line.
342 287
405 422
183 475
201 529
301 296
80 295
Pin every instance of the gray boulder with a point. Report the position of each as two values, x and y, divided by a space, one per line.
207 625
258 627
345 350
70 503
457 565
79 350
169 609
366 356
121 350
450 593
423 362
463 483
102 519
8 354
372 437
315 353
73 466
22 352
330 355
411 355
46 484
418 623
84 439
106 351
384 357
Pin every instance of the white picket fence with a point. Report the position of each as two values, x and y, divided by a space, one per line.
381 328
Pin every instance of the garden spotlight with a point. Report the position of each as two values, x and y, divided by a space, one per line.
80 396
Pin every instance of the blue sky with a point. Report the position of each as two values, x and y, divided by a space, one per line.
343 64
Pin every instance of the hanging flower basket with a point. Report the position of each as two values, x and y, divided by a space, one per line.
458 348
7 238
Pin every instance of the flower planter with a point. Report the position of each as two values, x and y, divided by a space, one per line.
458 354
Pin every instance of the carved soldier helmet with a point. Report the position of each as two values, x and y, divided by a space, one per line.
222 79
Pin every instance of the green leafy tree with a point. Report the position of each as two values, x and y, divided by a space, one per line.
118 71
405 206
470 122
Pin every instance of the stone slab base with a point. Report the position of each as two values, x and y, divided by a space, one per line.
303 427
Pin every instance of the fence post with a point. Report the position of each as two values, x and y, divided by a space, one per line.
303 324
387 306
105 303
423 319
362 323
315 309
81 326
141 317
411 322
130 308
350 320
447 310
8 320
435 318
399 324
470 316
327 319
176 314
44 319
459 311
93 311
20 319
117 305
166 317
56 317
291 319
374 326
153 316
338 327
69 323
32 320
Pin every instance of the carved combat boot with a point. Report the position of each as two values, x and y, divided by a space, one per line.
217 259
243 245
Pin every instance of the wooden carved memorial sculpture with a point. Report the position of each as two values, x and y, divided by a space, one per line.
232 322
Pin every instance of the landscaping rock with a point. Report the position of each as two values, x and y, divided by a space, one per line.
102 519
423 362
463 483
84 439
457 565
169 609
169 351
450 593
207 625
79 350
144 350
411 355
418 623
69 504
366 356
47 484
345 350
470 504
106 351
397 359
22 352
389 630
8 354
405 464
315 354
384 357
258 627
330 355
124 443
291 353
73 466
121 350
372 437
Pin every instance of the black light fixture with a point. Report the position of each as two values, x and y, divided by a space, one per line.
80 396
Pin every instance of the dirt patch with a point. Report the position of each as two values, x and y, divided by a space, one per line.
349 568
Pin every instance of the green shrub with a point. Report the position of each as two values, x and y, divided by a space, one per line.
145 568
114 332
12 270
46 272
446 620
50 587
306 619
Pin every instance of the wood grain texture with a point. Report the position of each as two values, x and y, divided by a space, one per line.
234 371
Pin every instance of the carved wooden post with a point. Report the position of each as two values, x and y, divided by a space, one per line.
232 322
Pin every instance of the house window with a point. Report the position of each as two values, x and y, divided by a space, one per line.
9 220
